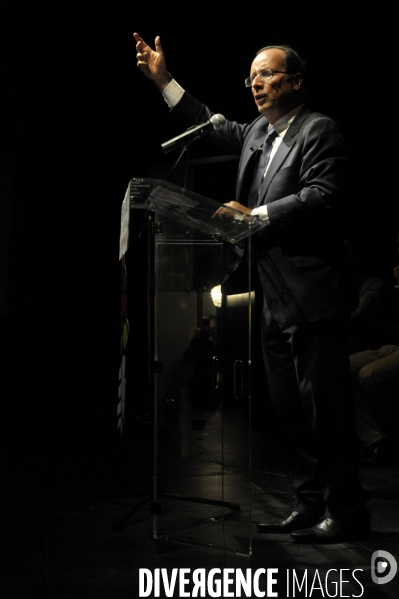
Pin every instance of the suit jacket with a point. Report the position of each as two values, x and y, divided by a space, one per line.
303 266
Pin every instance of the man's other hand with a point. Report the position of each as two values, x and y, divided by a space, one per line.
227 210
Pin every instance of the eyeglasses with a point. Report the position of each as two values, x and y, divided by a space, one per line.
265 76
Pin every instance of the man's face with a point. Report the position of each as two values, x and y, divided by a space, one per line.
277 95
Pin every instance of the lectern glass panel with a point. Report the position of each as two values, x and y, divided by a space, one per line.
201 391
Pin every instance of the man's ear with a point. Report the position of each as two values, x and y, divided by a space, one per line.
297 81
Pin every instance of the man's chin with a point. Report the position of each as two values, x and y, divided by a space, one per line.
263 109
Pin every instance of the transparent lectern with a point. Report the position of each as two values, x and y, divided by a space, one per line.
200 391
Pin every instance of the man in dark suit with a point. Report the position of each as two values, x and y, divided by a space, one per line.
292 174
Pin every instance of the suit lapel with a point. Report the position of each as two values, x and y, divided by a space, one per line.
247 162
285 147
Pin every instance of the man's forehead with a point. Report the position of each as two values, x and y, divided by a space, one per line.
272 58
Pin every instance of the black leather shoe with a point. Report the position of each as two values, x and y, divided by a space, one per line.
295 521
334 530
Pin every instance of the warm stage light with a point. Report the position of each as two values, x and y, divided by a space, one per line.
216 295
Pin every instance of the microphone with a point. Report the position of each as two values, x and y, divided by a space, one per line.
217 121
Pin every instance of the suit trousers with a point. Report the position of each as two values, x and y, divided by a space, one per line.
308 375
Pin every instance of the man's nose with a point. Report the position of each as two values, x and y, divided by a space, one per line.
257 81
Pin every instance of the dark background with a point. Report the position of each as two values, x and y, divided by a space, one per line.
79 120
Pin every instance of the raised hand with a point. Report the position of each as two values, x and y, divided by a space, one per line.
152 62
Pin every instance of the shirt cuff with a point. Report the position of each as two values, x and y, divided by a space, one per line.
172 93
261 212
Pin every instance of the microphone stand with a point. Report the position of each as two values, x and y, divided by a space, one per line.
180 156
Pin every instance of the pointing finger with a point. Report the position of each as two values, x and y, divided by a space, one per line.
141 45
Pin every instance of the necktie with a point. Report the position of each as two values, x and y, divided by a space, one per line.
262 164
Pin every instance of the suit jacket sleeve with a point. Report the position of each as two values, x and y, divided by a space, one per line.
231 137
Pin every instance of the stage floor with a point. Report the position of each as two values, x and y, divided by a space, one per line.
69 487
